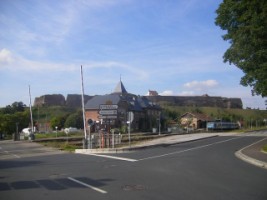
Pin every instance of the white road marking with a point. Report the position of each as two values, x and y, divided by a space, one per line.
252 144
191 149
114 157
7 152
87 185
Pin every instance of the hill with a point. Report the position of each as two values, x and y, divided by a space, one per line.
249 117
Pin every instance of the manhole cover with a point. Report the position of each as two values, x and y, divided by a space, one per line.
133 187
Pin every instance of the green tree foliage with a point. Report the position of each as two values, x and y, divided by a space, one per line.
74 120
8 122
58 122
13 114
246 24
13 108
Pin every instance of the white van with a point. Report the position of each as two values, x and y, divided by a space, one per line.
27 131
70 130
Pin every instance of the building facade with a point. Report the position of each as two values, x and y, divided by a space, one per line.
112 109
195 120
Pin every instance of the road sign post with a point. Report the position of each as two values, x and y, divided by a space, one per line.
130 117
108 112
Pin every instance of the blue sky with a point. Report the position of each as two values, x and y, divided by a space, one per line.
170 46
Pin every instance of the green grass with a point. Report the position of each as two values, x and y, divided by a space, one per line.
64 146
249 117
264 148
58 134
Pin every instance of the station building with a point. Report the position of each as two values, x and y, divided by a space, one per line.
120 104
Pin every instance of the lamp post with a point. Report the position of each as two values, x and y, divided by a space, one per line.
17 132
159 123
56 130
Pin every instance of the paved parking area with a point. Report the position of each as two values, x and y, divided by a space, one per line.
20 149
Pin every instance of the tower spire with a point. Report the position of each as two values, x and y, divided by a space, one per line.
120 89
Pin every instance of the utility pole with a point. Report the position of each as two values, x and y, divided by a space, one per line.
32 131
159 123
84 123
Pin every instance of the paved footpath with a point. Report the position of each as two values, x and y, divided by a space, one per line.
10 149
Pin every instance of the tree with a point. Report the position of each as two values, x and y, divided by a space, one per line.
8 122
18 106
57 122
246 24
15 107
74 120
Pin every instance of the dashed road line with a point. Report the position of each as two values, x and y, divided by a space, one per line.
87 185
114 157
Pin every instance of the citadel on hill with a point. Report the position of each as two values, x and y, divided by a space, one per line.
74 100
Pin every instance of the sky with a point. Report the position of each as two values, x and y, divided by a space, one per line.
170 46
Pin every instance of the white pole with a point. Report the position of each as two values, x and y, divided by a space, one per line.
84 123
31 108
129 131
159 122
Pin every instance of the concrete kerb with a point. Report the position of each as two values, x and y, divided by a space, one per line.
250 160
133 148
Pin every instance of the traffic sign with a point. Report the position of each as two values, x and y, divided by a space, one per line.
108 107
107 116
108 112
130 117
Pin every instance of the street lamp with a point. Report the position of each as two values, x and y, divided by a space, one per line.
56 130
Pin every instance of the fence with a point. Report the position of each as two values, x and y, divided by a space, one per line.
105 140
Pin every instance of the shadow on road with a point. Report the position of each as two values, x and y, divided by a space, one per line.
17 163
52 184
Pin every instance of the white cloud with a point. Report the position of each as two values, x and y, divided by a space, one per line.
5 57
201 85
166 93
13 62
187 93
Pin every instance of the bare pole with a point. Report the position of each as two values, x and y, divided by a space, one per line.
84 123
31 108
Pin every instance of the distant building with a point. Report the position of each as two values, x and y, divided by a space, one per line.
195 120
152 93
50 100
121 102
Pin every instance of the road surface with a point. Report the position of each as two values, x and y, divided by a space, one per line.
205 169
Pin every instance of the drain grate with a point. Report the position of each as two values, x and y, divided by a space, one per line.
133 187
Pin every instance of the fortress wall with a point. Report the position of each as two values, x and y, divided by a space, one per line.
200 101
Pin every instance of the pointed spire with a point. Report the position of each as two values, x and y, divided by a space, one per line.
120 89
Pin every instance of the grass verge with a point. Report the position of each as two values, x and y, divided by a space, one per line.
64 146
264 148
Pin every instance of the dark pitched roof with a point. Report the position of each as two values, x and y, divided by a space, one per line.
135 103
120 89
102 99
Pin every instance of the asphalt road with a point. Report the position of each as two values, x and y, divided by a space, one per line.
205 169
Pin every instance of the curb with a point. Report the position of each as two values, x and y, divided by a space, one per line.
128 149
250 160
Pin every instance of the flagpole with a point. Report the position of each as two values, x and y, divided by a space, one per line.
84 121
